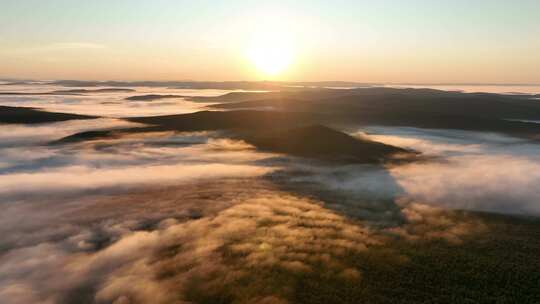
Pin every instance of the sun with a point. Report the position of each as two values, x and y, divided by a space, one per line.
271 54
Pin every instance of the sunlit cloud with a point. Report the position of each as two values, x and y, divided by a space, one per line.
165 217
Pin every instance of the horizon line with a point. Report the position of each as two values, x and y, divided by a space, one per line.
280 81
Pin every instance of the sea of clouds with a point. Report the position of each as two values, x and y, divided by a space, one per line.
167 217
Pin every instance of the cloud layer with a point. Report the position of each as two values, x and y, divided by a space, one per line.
233 241
190 217
473 171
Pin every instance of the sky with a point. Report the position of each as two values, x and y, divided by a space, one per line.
390 41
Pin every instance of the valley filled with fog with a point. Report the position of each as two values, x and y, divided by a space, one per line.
171 213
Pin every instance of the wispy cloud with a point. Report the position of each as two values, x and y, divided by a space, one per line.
64 46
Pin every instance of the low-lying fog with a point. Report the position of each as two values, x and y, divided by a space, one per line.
132 219
109 104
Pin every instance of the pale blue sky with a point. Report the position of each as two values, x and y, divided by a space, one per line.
390 41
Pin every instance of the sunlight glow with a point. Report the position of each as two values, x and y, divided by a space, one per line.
271 53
